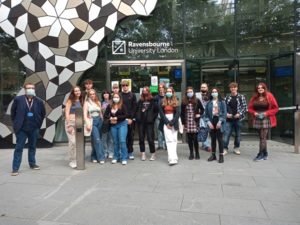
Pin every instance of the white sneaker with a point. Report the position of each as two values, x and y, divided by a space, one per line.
153 157
94 161
102 162
143 157
72 164
124 163
114 161
225 152
110 156
173 162
237 151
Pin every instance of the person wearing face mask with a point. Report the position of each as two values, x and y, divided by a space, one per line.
169 112
204 97
263 108
116 113
145 116
191 109
27 114
215 117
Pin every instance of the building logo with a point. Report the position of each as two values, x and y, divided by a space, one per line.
118 47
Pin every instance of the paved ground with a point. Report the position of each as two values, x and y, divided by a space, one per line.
238 192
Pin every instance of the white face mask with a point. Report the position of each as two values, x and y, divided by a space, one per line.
116 100
30 92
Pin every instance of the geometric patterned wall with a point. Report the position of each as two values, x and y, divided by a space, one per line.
58 41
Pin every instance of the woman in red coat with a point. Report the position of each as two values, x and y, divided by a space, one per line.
263 107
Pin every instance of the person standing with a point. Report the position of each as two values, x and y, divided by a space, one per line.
191 109
116 113
236 110
27 115
215 117
160 134
169 111
115 88
88 85
204 97
92 111
263 108
108 144
130 102
74 102
146 114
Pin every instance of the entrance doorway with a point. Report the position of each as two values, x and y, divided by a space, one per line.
144 73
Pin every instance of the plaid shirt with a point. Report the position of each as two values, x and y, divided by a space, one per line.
241 104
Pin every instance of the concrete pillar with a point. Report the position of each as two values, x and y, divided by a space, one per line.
80 151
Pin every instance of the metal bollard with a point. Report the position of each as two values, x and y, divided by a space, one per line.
80 151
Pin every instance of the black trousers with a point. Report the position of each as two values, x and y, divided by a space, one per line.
130 137
215 135
148 129
192 141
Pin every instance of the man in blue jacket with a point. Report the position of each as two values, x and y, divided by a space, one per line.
27 115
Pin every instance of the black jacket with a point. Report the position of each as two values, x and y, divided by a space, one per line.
150 114
121 114
164 120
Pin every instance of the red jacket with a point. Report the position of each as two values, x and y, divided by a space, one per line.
271 112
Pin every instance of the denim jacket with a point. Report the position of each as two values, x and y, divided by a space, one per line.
208 116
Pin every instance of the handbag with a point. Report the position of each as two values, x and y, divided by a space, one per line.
202 131
180 126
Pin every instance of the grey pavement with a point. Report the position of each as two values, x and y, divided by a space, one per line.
238 192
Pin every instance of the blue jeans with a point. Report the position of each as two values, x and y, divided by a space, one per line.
236 126
160 135
22 135
119 134
97 145
108 143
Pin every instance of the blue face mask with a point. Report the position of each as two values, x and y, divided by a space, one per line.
30 92
214 95
190 94
169 95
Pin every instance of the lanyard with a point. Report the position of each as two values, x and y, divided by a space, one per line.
29 105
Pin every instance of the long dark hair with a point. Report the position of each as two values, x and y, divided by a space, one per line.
72 96
105 92
187 100
148 96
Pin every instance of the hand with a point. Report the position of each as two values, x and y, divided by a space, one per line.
218 126
256 114
129 121
197 115
169 126
88 127
229 115
70 129
211 126
236 116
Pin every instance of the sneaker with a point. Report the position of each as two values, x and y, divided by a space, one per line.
102 162
173 162
236 151
72 164
124 162
15 173
259 157
110 156
131 156
94 161
114 161
34 167
225 152
143 157
153 157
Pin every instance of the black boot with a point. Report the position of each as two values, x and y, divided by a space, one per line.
197 154
212 157
259 157
191 157
265 154
221 158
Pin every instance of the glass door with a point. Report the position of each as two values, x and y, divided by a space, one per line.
282 87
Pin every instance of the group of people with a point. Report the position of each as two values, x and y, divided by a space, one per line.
111 121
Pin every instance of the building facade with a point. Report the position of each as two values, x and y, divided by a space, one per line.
182 42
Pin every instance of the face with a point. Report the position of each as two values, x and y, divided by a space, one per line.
233 89
88 86
260 89
125 87
106 96
145 91
92 95
116 89
203 88
161 90
77 92
169 91
214 91
29 86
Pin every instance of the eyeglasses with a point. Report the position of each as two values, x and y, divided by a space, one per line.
124 85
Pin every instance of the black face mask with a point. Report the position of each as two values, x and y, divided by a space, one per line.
203 91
